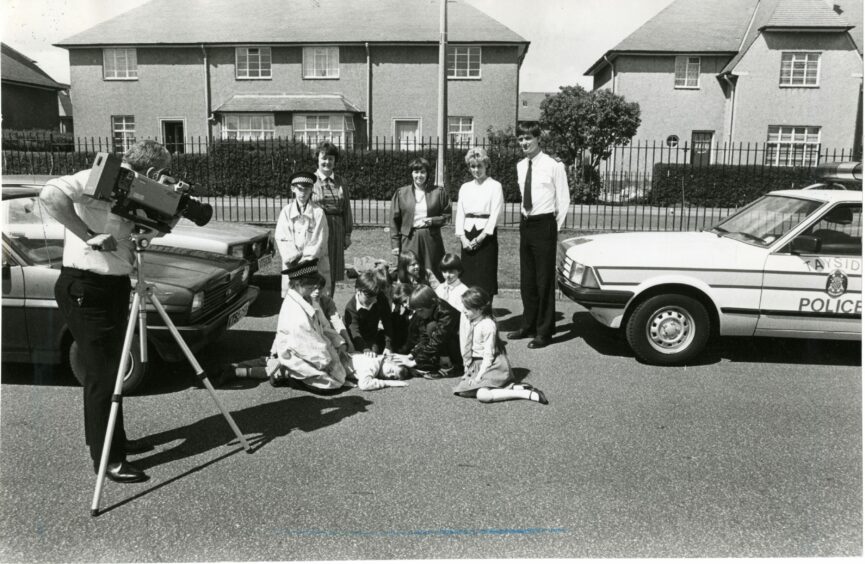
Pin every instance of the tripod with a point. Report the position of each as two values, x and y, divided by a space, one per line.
142 293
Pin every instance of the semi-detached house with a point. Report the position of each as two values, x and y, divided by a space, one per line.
351 71
782 74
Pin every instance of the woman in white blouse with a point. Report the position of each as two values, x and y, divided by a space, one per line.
479 207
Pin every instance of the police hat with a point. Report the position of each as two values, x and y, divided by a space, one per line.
301 269
302 178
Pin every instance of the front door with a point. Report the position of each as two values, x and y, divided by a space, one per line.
819 293
172 135
407 133
701 147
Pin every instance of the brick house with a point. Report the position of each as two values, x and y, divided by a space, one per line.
352 71
784 73
29 95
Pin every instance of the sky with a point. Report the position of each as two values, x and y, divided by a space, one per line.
567 36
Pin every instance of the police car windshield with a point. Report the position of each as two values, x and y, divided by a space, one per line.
766 220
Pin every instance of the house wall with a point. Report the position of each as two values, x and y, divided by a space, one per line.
170 85
666 110
24 107
761 102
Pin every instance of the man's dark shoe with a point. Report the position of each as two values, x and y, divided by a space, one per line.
125 473
539 342
521 334
137 446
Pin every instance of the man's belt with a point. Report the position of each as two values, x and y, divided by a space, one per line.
477 215
539 217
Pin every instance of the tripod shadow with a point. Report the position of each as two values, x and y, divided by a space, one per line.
265 421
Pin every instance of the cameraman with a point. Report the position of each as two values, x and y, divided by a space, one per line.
93 295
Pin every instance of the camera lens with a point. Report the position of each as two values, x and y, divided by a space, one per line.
195 211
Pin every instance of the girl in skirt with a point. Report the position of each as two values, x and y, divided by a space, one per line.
488 375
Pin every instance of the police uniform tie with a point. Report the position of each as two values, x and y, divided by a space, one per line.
527 189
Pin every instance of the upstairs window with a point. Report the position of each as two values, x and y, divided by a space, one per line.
248 127
321 62
687 72
119 64
464 62
793 145
252 62
460 130
122 132
800 69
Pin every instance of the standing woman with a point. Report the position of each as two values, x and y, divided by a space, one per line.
418 212
479 206
332 195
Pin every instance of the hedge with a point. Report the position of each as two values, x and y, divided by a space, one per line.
721 185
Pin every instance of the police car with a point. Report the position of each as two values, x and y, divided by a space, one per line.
787 265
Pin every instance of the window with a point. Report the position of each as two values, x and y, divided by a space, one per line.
252 62
119 64
672 141
840 230
316 128
407 133
321 62
800 69
248 127
460 130
793 145
687 72
122 132
464 62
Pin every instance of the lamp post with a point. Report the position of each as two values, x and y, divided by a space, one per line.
443 93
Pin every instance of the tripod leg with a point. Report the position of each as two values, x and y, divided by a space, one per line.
199 371
115 404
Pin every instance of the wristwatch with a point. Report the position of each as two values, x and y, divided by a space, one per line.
91 234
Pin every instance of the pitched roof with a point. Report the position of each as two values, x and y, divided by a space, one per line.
287 102
530 105
805 14
730 26
293 21
17 67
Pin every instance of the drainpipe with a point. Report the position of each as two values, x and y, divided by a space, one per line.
613 70
208 117
368 97
732 85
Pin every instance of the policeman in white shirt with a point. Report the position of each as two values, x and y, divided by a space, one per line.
92 293
546 201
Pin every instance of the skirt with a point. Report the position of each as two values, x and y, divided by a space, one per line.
497 376
336 246
427 244
481 266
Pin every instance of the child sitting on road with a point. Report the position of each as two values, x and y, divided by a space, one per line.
433 333
488 375
368 316
409 270
452 289
400 315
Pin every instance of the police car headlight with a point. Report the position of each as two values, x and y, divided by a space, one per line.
197 301
583 275
237 251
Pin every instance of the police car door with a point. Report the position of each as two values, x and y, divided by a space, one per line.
817 294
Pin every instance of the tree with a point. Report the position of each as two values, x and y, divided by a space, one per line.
579 121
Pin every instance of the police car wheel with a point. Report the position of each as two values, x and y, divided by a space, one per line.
668 329
135 369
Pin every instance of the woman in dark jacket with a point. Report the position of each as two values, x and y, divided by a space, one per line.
418 212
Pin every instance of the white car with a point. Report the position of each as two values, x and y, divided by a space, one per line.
787 265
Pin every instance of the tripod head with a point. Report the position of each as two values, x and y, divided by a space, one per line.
141 236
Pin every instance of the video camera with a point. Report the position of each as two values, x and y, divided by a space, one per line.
162 198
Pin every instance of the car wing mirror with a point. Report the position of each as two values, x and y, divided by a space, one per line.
7 276
805 244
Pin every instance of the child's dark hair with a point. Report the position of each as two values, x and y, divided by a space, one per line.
368 283
451 262
402 293
422 297
478 299
406 258
320 280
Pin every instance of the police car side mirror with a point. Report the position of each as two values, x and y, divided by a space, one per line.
805 244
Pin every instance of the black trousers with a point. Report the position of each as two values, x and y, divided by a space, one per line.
538 240
96 308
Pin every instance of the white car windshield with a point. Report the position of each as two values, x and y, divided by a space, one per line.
766 220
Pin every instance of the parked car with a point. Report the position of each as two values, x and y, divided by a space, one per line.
203 293
250 242
787 265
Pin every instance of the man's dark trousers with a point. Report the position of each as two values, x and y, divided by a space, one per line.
538 241
96 309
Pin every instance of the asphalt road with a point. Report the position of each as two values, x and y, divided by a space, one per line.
757 452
